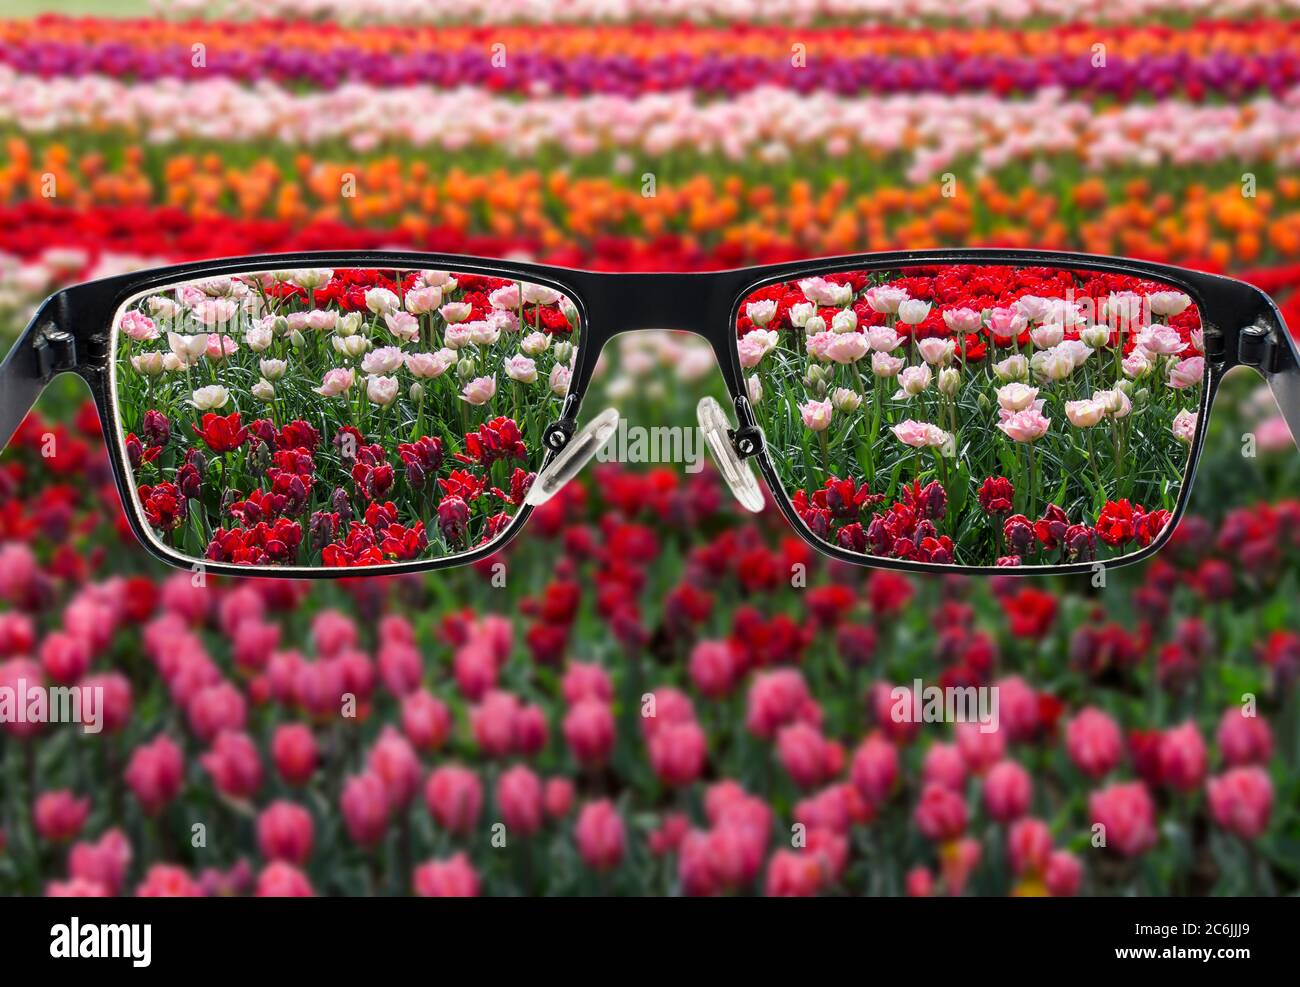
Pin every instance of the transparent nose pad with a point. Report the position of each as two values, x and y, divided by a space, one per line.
716 428
577 453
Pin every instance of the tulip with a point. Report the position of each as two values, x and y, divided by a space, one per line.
937 352
58 816
535 344
1168 303
1093 742
285 832
884 365
761 312
1126 816
479 391
1187 373
451 878
1016 397
845 400
382 391
1241 801
1013 368
559 379
1084 414
599 835
949 383
913 311
883 339
421 301
1026 426
913 381
816 415
210 397
1184 426
885 299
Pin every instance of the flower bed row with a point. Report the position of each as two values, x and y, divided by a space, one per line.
1208 61
857 12
927 133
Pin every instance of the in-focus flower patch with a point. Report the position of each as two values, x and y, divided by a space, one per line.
977 415
338 417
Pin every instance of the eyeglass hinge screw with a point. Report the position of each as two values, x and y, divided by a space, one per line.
558 434
1256 348
56 351
747 441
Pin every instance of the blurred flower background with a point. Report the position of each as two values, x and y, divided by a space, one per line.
649 692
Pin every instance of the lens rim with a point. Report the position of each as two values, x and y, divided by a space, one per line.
1213 295
138 286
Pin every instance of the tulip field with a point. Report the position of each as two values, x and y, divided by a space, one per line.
649 691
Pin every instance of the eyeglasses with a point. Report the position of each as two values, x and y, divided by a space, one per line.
337 413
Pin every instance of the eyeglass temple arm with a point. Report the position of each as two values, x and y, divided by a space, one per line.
42 352
1268 346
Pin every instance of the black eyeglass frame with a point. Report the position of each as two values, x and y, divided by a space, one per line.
73 332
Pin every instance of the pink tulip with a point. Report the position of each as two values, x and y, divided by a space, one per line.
940 813
336 382
957 861
943 765
599 835
64 658
1025 426
282 880
392 759
875 768
168 881
589 731
558 797
980 750
234 764
1064 875
59 816
713 668
493 723
285 832
805 754
1241 801
531 730
216 708
294 751
816 415
1007 791
1093 742
480 390
678 752
454 796
777 698
103 863
1183 757
400 667
1127 815
519 797
919 883
584 680
154 773
794 874
1029 846
1244 739
450 878
365 808
426 720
